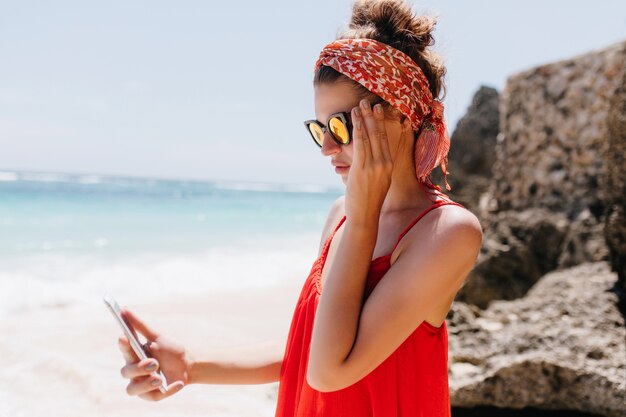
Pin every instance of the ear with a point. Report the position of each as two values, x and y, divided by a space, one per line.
406 124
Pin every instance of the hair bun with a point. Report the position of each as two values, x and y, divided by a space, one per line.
394 21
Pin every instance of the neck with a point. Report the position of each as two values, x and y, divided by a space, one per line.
405 192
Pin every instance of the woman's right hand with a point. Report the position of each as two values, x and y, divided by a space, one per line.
166 354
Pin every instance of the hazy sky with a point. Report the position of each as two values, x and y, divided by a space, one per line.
219 90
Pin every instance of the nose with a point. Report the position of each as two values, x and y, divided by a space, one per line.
329 146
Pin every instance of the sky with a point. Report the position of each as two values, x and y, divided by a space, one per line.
212 90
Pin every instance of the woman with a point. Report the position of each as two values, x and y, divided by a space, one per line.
368 335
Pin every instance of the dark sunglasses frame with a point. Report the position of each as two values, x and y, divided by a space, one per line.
345 118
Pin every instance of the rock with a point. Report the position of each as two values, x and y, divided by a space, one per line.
472 149
470 190
561 346
539 322
518 248
472 145
615 186
584 241
553 161
553 125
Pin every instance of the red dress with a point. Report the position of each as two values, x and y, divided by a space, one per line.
412 381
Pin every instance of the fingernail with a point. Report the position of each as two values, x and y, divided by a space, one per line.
378 108
152 366
156 382
357 112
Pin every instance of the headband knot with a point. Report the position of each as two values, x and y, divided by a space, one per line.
432 145
396 78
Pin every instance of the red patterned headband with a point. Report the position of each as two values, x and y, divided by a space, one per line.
397 79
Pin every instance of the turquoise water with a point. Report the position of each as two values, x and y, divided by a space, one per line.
65 236
120 216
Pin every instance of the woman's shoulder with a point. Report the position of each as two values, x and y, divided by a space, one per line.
449 214
456 214
447 219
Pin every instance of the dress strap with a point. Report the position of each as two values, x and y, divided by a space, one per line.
422 214
330 238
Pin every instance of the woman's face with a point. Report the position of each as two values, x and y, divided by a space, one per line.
338 97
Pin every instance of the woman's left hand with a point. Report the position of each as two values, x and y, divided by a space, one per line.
369 177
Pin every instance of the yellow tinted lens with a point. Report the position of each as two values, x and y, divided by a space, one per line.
317 133
338 129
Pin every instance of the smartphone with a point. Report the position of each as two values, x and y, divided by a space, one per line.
134 342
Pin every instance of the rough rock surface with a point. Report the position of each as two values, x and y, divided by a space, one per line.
472 150
560 347
553 126
615 184
518 248
553 158
539 323
474 138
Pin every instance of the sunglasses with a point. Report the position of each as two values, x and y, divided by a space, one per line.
339 125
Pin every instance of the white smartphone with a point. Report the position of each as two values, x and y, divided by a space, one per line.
134 342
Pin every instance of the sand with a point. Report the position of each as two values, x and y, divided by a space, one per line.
64 360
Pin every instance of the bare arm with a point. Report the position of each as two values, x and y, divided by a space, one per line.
351 338
239 373
181 368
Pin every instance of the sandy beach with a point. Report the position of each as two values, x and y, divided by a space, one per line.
215 266
64 361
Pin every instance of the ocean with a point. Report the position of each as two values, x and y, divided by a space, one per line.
67 239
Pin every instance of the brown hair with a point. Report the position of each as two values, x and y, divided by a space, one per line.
391 22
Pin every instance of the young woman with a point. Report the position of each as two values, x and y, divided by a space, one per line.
368 336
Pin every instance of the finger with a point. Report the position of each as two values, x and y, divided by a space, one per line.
138 324
156 395
357 134
379 135
373 131
142 368
127 351
383 141
366 130
142 385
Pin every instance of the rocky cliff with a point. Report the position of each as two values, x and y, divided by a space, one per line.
540 320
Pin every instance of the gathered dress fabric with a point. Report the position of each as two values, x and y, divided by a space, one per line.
411 382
